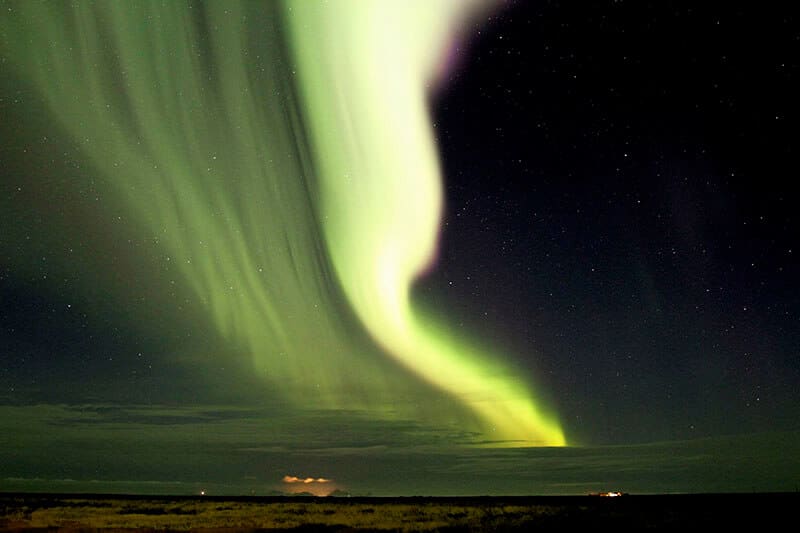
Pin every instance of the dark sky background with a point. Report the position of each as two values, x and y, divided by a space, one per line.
621 203
620 219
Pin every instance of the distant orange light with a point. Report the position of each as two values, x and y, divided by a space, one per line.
307 480
318 486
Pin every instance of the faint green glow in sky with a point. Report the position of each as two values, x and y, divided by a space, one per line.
289 173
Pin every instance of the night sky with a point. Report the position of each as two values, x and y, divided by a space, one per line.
194 199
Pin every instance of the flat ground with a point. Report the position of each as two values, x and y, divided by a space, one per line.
22 512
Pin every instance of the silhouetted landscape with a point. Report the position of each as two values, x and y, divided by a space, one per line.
63 512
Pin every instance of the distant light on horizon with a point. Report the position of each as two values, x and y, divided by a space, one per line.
306 480
318 486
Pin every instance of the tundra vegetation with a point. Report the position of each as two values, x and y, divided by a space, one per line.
21 512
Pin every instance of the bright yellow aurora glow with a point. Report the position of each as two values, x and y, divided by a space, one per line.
382 192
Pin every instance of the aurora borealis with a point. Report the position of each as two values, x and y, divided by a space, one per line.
451 247
286 192
386 180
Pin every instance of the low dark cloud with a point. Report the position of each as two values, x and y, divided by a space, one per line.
102 415
235 451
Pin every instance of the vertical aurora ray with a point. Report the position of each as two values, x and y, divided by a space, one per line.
187 112
298 220
382 194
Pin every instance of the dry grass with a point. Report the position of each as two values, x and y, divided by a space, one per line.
77 513
760 512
